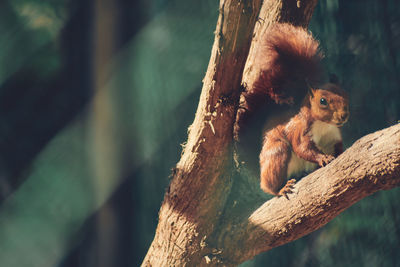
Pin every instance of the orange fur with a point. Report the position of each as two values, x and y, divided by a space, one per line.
287 64
298 141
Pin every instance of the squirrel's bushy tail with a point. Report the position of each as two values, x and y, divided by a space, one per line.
287 61
289 55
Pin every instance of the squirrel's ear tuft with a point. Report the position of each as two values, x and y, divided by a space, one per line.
311 91
333 78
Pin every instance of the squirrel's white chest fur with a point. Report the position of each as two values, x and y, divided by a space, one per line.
325 136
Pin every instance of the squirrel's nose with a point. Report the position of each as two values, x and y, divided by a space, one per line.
344 116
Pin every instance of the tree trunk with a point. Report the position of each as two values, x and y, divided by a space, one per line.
201 180
210 215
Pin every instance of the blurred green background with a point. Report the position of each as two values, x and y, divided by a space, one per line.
95 100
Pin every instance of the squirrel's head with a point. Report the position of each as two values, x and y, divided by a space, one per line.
330 104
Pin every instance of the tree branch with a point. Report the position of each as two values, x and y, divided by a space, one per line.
371 164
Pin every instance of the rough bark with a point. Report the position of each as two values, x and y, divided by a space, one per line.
214 216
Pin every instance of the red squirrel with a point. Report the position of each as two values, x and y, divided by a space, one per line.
289 64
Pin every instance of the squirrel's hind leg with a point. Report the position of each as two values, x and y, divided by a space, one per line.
274 158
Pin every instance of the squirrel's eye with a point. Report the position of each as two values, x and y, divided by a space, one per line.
323 102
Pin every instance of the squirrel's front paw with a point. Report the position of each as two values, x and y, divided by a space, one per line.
325 159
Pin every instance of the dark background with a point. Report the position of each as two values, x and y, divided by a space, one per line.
95 100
